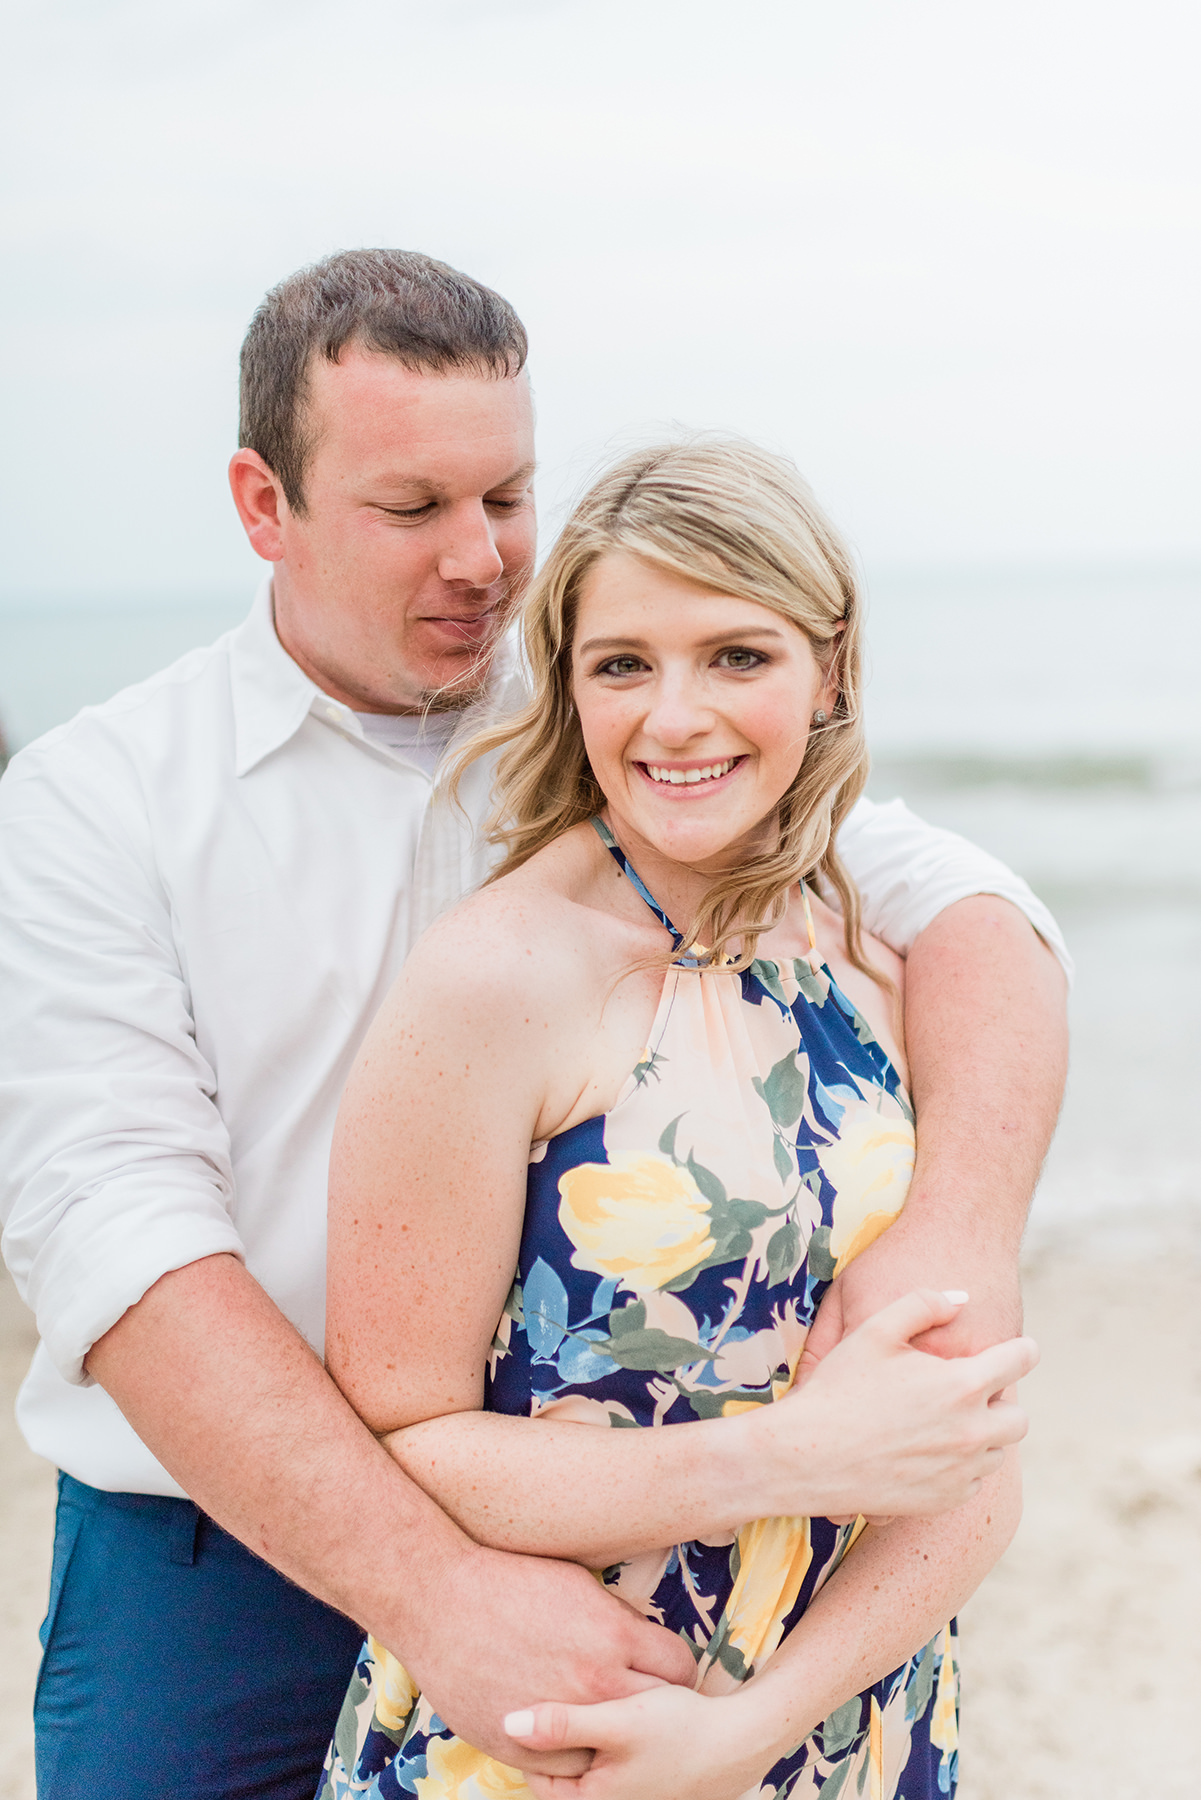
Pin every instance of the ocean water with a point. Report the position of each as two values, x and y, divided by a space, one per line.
1053 715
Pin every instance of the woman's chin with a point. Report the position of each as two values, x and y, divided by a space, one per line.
708 845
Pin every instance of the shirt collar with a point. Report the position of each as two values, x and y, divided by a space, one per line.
272 695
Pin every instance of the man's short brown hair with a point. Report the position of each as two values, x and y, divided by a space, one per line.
398 302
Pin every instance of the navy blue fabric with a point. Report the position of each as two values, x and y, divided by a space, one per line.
176 1663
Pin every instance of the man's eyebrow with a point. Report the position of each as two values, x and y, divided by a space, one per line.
426 485
741 635
524 473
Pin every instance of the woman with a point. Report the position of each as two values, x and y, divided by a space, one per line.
640 1100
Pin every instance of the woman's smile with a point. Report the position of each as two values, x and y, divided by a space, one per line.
686 780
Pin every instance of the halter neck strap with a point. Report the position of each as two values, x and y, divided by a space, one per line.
677 937
634 878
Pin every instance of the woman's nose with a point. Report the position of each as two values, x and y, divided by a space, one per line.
678 713
469 553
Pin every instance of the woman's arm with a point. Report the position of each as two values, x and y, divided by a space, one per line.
896 1588
878 1428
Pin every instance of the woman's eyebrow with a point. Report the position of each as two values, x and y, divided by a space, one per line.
719 637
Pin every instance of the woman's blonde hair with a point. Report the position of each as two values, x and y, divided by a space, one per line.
731 517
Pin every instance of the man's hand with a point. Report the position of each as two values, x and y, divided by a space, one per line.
512 1626
986 1037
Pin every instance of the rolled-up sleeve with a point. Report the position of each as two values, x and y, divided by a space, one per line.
114 1160
907 872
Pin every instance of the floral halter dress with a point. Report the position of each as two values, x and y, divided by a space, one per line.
673 1256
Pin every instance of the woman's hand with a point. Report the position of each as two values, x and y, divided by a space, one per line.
879 1428
666 1744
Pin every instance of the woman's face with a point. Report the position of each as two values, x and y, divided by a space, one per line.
695 709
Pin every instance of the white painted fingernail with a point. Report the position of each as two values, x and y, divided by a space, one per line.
519 1724
956 1296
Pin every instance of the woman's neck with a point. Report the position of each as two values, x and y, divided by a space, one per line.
680 888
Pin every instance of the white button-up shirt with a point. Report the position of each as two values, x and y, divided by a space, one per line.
207 886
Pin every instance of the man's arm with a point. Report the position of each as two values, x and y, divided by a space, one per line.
118 1194
235 1404
986 1034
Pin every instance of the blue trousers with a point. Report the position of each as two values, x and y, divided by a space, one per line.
177 1665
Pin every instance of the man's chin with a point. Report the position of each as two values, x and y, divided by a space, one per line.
453 689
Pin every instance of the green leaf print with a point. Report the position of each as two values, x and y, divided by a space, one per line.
731 1226
650 1065
833 1785
841 1727
633 1346
782 1157
733 1661
768 976
821 1262
813 983
706 1181
731 1223
785 1254
863 1030
783 1091
917 1697
667 1138
655 1350
710 1403
346 1731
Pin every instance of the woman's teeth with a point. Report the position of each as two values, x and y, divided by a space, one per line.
688 777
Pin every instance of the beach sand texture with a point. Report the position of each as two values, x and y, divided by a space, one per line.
1081 1652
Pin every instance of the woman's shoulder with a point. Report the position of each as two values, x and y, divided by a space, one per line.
528 930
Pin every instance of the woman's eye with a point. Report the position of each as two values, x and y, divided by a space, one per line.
740 659
621 665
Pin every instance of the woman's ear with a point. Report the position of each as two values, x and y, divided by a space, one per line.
831 690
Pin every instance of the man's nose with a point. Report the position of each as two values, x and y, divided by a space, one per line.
469 553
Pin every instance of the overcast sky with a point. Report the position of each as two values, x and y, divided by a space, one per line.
947 255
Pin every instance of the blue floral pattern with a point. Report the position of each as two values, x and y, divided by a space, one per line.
674 1254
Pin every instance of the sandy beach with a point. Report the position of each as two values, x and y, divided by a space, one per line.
1082 1651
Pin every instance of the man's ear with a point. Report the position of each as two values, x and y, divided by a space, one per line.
260 501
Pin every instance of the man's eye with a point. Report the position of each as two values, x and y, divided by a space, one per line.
505 502
410 512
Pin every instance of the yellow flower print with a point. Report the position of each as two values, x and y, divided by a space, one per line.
637 1220
458 1771
774 1555
869 1166
393 1690
944 1719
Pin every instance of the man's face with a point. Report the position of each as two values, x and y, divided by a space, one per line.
417 535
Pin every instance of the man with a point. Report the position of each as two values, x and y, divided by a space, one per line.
206 887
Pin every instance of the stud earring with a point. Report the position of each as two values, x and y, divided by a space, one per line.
819 717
